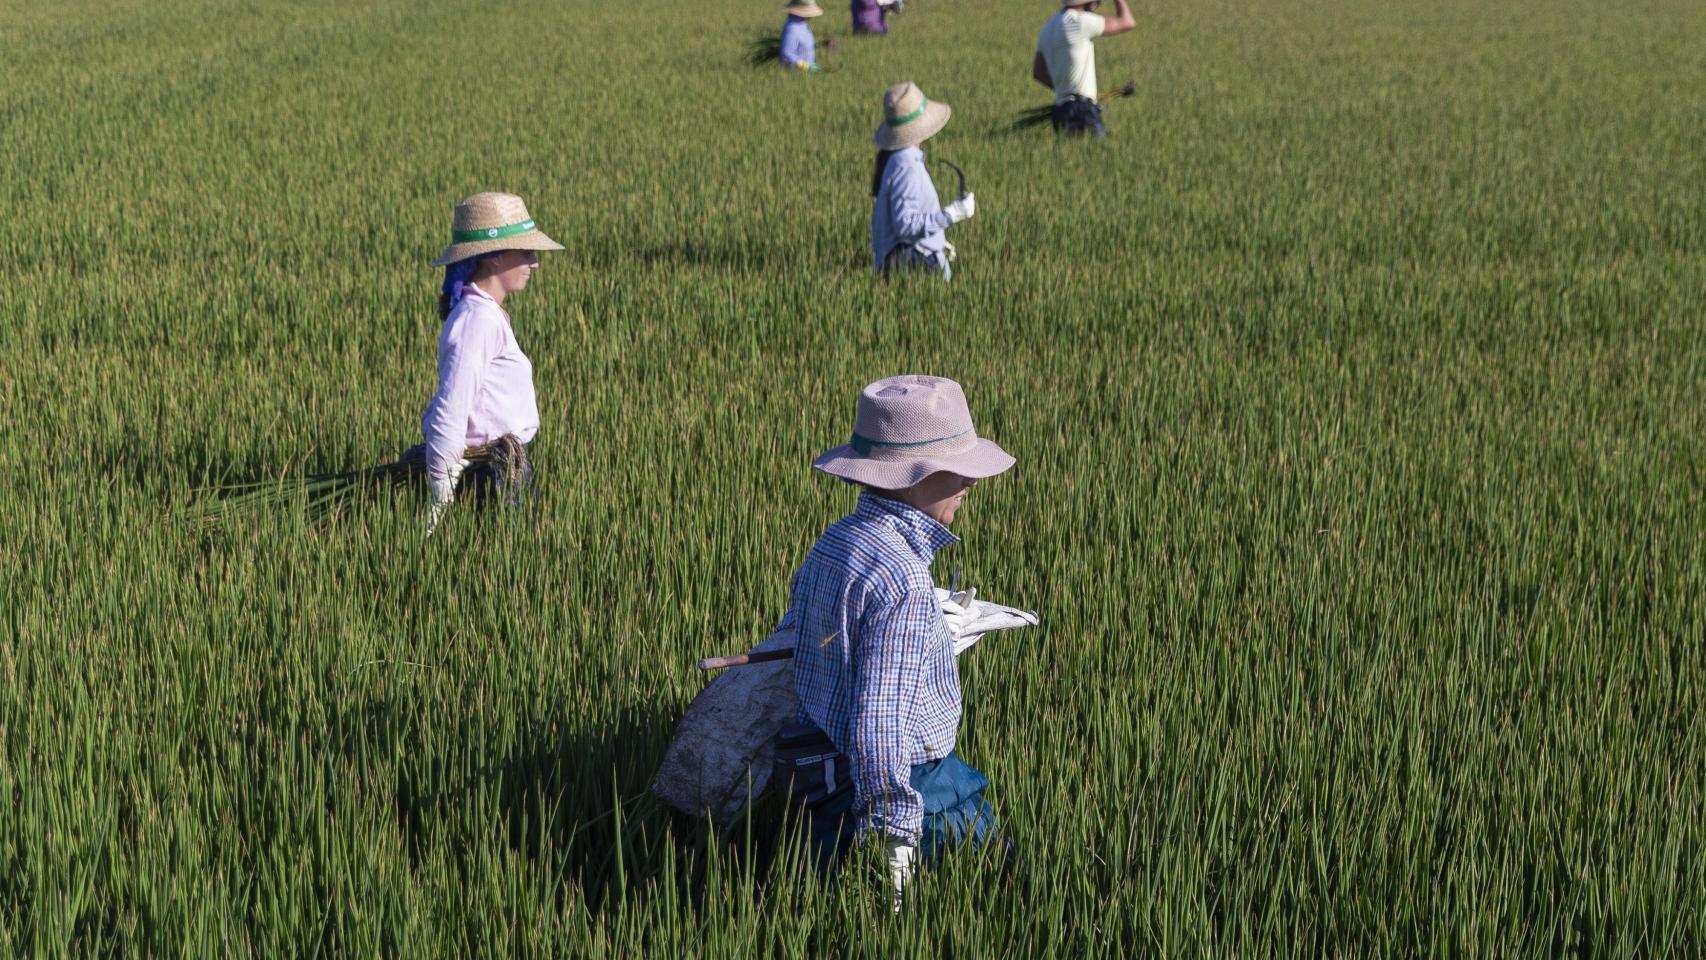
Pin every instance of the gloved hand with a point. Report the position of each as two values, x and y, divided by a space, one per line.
958 611
443 492
900 855
949 251
961 209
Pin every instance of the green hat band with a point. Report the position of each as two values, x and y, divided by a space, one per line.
914 115
491 233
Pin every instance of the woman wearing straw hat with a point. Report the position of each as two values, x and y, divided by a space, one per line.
908 221
873 657
799 47
485 383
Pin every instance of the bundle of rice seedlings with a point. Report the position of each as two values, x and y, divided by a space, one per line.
765 51
319 495
1041 115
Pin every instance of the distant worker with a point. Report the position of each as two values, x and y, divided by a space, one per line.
871 17
799 47
1066 63
485 383
873 655
908 221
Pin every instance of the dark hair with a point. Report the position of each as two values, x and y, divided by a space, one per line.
877 174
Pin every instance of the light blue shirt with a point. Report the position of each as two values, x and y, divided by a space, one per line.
798 44
907 211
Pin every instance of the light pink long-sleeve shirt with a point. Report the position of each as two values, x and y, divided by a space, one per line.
485 383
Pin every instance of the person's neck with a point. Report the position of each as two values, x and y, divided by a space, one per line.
495 293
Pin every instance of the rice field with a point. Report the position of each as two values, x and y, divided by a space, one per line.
1357 381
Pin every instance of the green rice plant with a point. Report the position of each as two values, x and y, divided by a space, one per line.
764 51
1354 380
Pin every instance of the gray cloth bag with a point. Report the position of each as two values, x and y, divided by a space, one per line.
725 744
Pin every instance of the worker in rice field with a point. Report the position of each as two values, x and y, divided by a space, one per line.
873 657
871 17
485 394
799 47
1066 62
908 221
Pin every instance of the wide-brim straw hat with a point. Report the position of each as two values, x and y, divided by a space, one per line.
488 222
907 428
909 117
803 8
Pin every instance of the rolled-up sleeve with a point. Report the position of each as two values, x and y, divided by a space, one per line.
889 660
465 351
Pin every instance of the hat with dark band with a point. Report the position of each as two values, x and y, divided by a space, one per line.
907 428
909 117
487 222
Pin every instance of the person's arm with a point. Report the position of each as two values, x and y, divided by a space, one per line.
913 206
888 673
463 358
1120 22
1039 70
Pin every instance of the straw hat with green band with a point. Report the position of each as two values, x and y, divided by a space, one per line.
487 222
909 117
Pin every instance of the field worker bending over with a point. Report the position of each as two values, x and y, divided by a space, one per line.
871 17
1066 62
908 222
799 47
873 658
479 421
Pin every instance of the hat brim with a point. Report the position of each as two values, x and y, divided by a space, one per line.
915 132
531 240
804 13
984 459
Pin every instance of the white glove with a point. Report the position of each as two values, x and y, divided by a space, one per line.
949 251
961 209
899 855
958 612
443 492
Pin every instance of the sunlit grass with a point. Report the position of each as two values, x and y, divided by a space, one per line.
1355 380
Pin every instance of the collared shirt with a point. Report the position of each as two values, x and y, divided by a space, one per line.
485 383
798 44
873 658
907 211
1065 45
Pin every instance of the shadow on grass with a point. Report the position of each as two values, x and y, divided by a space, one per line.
574 798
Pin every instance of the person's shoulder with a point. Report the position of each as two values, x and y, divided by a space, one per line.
873 554
475 315
905 158
1086 23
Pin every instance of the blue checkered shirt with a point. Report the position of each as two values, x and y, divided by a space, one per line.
873 659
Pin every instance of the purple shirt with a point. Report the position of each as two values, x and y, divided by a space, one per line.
869 17
485 383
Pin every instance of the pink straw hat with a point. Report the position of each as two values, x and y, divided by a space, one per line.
906 429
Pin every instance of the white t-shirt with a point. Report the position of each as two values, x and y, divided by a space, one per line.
1065 46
